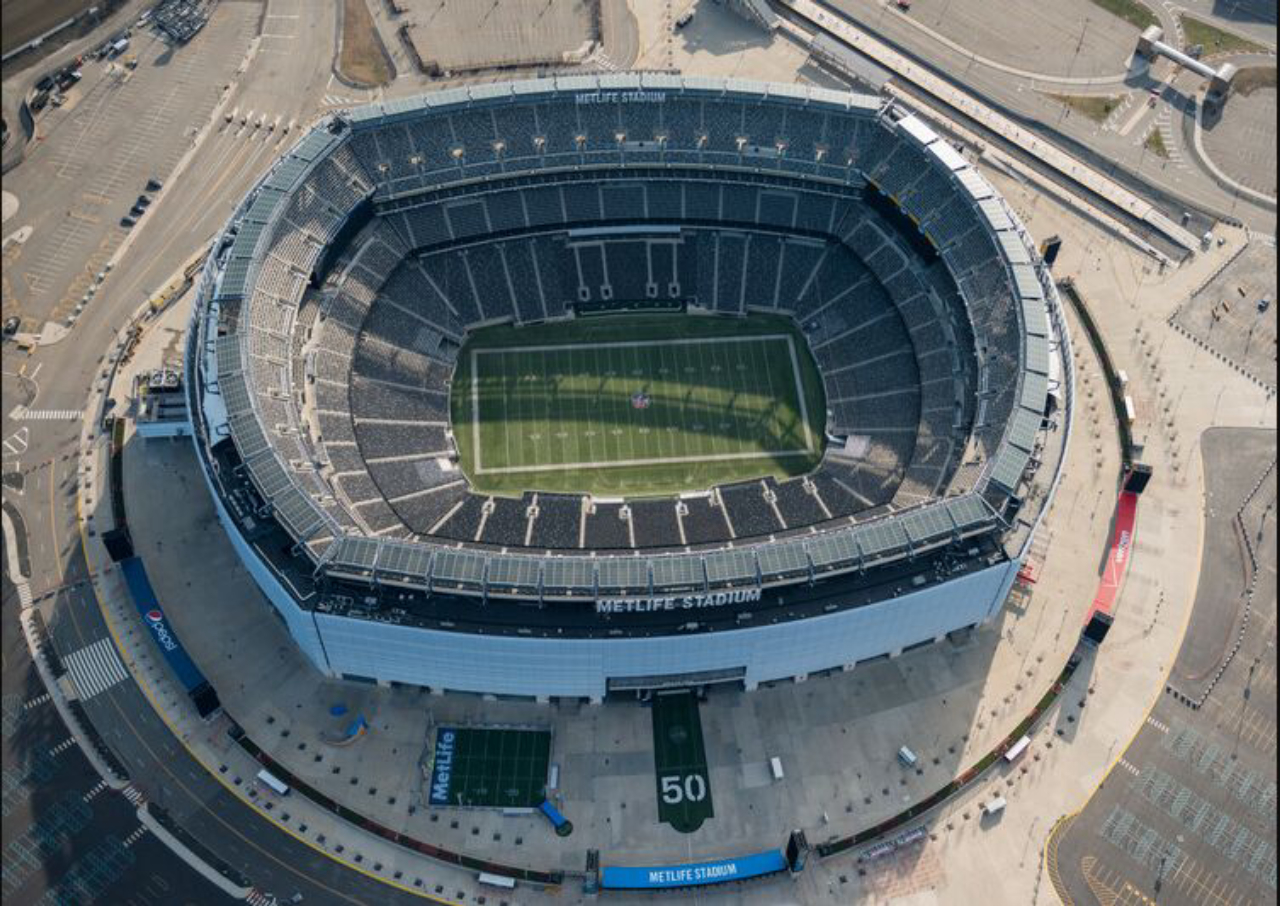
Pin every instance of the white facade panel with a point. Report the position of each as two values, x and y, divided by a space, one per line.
581 667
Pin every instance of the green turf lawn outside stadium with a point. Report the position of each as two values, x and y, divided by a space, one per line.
721 400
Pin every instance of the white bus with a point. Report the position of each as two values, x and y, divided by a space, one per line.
279 787
497 881
1016 750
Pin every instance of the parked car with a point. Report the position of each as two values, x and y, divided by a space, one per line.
154 185
127 222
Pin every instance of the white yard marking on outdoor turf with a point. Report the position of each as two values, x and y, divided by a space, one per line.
95 668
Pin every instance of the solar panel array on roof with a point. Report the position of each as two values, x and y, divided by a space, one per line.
405 560
836 548
975 184
465 567
576 574
270 475
1034 317
1023 428
234 277
354 553
677 571
314 144
1027 282
235 393
1009 465
287 174
968 512
948 156
881 537
1035 387
298 510
784 558
915 128
518 572
1013 247
731 566
226 355
927 524
247 432
623 573
1037 354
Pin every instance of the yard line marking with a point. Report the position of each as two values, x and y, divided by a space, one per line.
750 454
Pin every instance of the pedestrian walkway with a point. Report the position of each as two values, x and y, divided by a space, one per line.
95 668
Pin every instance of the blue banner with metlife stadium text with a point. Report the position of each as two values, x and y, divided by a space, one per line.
657 877
144 598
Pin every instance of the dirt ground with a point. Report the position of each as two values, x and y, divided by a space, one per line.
363 60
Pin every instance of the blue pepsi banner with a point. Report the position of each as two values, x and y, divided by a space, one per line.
144 598
616 877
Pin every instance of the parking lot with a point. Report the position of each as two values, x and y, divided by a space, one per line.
1228 316
92 156
1188 813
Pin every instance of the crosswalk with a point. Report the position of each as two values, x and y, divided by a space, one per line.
22 414
338 100
95 668
24 593
1130 768
62 746
258 898
1163 728
133 794
136 835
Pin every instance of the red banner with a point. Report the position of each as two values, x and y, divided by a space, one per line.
1118 559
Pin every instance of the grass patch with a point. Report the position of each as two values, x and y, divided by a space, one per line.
1215 40
1095 107
1247 81
629 405
1131 11
1155 144
363 60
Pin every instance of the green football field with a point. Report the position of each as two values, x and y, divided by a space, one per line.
492 767
631 405
680 762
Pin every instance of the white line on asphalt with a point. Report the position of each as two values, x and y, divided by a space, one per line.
95 668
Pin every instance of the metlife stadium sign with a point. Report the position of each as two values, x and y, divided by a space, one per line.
698 874
442 766
679 602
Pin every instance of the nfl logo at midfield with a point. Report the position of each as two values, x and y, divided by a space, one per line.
640 400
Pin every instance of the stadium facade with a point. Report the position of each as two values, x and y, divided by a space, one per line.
331 312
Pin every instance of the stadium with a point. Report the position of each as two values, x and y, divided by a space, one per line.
594 385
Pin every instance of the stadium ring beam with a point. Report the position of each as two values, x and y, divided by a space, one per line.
335 301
